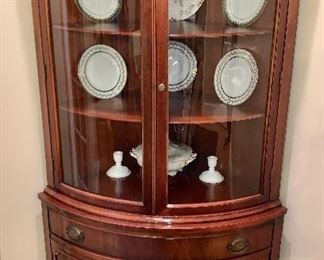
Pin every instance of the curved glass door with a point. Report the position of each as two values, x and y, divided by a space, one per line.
219 63
98 60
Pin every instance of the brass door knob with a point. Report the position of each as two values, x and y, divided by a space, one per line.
238 246
75 233
162 87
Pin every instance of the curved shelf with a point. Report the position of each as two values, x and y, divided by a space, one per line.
131 29
128 110
183 29
129 188
116 109
182 185
177 30
210 114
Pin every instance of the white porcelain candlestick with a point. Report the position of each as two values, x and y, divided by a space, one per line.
211 176
118 170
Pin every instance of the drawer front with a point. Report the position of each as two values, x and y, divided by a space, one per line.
62 250
261 255
218 246
66 251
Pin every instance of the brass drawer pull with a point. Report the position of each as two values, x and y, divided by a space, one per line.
75 233
238 246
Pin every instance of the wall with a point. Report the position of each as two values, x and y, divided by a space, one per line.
303 170
22 172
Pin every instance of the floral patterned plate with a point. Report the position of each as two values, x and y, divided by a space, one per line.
100 10
182 66
183 9
243 12
236 77
102 71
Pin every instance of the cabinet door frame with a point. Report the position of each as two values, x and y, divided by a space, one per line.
270 174
46 72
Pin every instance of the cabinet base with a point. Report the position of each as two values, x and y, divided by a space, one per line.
75 230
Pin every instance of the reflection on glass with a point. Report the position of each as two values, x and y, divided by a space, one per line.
182 66
97 52
220 115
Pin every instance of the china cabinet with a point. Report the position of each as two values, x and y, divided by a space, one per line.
164 124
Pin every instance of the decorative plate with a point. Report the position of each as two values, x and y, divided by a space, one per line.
236 77
244 12
183 9
102 71
182 66
100 10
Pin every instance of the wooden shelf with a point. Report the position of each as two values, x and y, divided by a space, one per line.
177 30
186 188
129 188
102 28
117 109
128 110
184 29
209 114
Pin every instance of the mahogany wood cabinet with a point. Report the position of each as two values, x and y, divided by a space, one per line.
181 93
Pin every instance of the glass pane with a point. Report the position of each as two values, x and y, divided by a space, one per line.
219 65
97 52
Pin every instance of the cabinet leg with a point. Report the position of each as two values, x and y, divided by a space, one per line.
46 232
276 240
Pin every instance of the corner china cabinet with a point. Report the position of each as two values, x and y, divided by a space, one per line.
164 126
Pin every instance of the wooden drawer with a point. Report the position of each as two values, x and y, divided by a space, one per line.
62 250
218 246
260 255
65 251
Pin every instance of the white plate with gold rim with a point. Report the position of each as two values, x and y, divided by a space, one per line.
236 77
100 10
183 9
182 66
243 12
102 71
